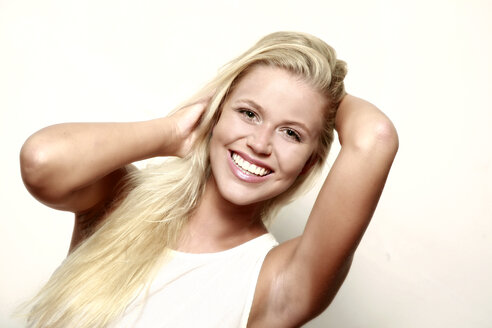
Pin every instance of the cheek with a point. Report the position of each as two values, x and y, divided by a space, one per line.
229 129
223 125
218 133
292 163
215 145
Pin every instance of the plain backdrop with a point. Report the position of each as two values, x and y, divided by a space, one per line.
426 258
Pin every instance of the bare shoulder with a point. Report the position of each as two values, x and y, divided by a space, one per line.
87 221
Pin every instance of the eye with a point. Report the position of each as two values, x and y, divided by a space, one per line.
292 134
248 114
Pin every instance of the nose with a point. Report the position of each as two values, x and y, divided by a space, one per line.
260 141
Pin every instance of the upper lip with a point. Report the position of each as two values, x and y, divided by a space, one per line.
252 160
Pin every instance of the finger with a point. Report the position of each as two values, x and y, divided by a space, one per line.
196 111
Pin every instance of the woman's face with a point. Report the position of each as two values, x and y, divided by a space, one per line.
266 134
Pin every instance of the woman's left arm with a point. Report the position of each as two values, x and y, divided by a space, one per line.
354 184
348 198
309 270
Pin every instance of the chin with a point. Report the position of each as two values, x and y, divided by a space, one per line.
240 196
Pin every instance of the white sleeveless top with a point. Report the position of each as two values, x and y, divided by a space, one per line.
201 290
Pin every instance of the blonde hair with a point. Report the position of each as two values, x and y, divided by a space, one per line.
95 283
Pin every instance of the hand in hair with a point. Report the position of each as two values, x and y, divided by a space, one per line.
183 125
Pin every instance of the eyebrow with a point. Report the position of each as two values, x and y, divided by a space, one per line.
251 103
261 109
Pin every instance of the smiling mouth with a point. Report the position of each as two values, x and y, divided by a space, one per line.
248 167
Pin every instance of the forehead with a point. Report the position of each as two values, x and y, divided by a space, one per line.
281 94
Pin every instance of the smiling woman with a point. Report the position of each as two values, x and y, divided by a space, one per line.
270 123
151 246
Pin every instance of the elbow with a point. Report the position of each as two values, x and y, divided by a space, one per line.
385 134
32 163
378 135
363 127
36 169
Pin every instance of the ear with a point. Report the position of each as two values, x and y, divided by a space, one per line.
309 164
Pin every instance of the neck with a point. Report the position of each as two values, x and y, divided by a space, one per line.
218 224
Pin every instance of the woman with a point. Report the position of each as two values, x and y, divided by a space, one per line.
150 247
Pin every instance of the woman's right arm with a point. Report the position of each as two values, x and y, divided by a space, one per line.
75 166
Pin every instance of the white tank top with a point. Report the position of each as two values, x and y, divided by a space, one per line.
201 290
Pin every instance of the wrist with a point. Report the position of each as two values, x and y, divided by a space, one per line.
159 137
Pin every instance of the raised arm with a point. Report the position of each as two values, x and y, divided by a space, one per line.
74 166
307 271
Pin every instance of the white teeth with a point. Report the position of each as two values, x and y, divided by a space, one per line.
249 167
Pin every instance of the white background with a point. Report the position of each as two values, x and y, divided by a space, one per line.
426 259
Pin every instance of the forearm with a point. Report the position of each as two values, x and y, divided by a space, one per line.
348 197
65 157
351 191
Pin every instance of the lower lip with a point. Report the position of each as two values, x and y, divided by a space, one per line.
241 175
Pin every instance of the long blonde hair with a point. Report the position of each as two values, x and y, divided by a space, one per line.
95 283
